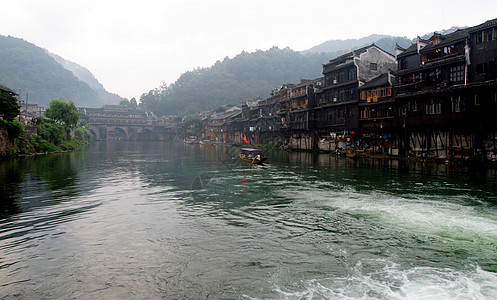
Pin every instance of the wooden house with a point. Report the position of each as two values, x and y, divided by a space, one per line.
377 111
447 101
301 105
336 104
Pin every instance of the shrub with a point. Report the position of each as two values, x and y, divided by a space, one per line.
71 145
15 129
53 133
42 145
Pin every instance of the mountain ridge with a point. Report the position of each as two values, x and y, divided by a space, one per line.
250 75
45 75
30 69
85 75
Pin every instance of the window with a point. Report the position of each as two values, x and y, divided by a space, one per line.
434 108
407 79
351 94
366 113
481 69
457 104
351 74
373 66
438 108
456 74
403 64
487 36
479 38
477 100
414 106
448 50
364 95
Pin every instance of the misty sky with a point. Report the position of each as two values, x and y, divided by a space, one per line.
134 46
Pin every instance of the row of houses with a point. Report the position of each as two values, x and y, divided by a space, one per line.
437 98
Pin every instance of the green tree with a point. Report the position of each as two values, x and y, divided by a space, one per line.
124 102
191 120
133 104
67 113
9 108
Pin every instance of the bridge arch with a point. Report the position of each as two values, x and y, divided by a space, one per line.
117 133
145 134
95 133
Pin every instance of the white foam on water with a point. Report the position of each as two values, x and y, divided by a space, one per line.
450 218
392 282
449 223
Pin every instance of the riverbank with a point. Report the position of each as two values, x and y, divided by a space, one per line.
42 138
369 155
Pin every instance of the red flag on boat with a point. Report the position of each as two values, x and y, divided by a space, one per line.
245 139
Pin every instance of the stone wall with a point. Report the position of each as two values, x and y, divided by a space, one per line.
5 143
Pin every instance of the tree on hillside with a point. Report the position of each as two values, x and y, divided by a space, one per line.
9 108
131 104
192 120
232 81
28 67
59 110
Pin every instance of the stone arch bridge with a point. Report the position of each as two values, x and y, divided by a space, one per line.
115 122
123 132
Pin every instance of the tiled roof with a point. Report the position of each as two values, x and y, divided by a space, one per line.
409 51
227 115
428 65
350 54
7 90
456 36
375 82
487 24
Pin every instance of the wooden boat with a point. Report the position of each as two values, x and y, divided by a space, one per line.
191 140
206 142
350 153
253 156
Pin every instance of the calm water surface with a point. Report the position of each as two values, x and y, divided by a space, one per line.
169 220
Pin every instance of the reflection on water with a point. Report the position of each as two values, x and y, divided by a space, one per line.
54 175
172 220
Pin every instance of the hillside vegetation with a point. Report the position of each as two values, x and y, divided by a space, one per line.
85 75
246 76
249 75
28 68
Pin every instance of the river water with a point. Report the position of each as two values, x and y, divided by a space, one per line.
158 220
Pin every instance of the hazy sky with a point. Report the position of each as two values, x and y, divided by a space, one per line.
134 46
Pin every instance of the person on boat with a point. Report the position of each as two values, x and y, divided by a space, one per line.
257 158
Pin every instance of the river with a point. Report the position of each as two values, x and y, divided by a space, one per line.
160 220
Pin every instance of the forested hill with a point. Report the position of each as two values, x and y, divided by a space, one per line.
29 68
248 76
385 42
85 75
